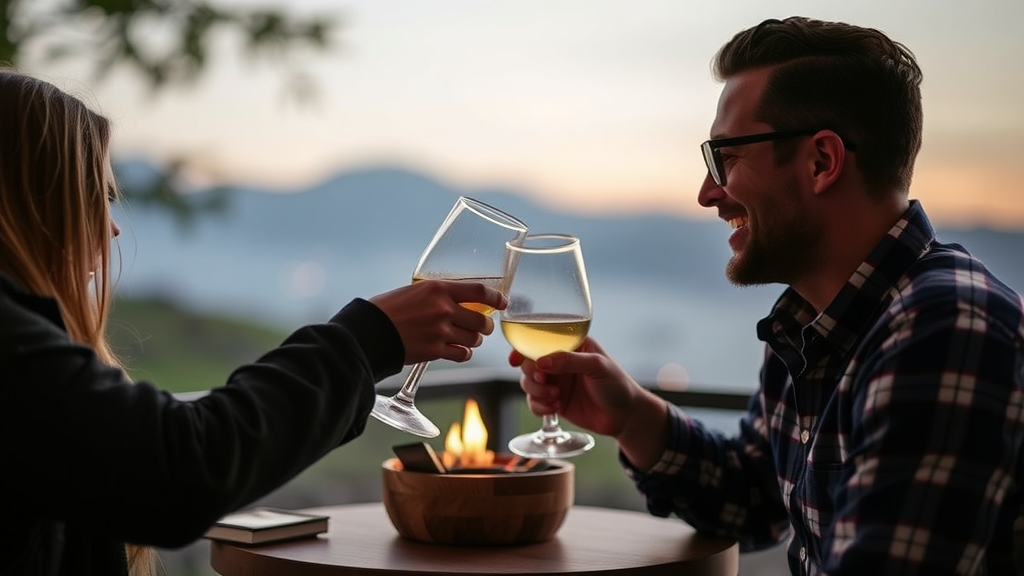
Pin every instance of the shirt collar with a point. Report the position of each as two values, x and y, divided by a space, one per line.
864 292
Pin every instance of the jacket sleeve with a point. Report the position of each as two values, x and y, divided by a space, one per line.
81 443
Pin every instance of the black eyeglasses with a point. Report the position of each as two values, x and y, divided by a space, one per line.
713 158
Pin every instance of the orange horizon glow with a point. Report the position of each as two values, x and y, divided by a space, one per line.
602 114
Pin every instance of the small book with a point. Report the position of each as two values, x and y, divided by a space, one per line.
263 525
419 457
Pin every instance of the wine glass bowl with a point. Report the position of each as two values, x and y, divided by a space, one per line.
549 310
468 246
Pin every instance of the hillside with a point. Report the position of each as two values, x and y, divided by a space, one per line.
181 350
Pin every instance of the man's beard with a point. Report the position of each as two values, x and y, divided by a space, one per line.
782 246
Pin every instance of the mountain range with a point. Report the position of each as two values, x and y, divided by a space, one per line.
662 306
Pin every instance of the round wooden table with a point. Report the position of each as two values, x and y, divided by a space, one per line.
592 541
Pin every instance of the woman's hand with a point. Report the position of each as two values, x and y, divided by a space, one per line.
432 321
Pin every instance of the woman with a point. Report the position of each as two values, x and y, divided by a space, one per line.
90 460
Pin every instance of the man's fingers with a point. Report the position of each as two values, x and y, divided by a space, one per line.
585 360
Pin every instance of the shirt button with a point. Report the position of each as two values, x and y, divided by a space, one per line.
805 436
803 553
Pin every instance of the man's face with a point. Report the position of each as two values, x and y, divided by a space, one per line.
775 237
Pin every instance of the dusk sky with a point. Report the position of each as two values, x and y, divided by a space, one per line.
589 105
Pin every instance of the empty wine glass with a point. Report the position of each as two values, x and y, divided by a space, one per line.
469 246
549 310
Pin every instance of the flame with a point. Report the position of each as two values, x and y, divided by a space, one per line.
466 445
474 433
453 441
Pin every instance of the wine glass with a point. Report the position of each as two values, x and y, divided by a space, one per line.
549 310
469 245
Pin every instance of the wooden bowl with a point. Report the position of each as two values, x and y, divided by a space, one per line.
478 509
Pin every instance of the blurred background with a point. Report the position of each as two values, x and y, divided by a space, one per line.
281 158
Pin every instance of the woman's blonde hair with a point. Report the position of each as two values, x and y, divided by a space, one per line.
55 223
54 202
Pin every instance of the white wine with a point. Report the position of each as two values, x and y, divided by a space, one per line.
536 335
495 282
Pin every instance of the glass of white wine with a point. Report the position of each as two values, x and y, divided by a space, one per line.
549 310
468 246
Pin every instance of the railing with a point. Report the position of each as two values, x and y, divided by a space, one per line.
497 393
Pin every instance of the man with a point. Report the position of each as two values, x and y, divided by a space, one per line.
886 435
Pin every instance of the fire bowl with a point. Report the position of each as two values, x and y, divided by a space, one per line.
489 507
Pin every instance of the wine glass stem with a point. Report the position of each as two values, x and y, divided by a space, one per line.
408 392
549 425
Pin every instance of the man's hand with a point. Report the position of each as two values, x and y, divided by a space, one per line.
589 389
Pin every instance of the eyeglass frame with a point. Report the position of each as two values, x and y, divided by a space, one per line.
713 158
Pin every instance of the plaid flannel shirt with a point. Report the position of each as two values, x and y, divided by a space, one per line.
886 436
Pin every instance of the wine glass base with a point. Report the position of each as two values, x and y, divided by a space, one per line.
403 416
561 444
